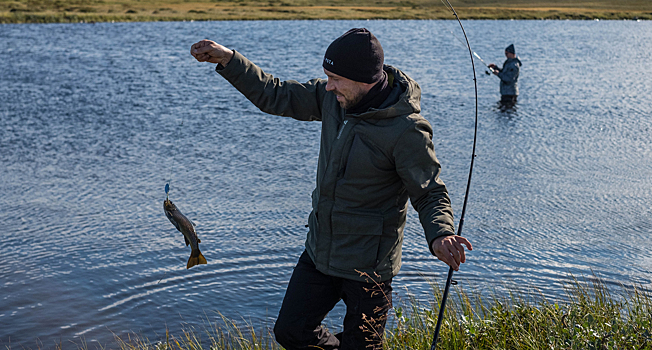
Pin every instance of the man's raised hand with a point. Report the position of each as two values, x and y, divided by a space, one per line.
210 51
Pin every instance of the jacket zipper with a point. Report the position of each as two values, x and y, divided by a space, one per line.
339 133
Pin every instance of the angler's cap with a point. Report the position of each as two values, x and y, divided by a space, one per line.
510 49
356 55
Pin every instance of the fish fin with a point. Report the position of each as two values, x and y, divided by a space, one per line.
198 240
187 241
192 261
174 222
196 260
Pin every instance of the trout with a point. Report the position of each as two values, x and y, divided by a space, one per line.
186 227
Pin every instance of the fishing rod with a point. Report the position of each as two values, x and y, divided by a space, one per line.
474 53
449 280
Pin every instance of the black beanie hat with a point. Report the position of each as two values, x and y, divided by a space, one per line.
510 49
356 55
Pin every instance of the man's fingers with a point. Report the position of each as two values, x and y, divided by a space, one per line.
460 250
446 256
201 47
210 51
465 242
459 241
448 259
454 251
200 57
194 47
462 240
203 43
451 250
452 262
201 50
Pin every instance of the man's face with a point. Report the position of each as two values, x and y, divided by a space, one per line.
348 92
509 54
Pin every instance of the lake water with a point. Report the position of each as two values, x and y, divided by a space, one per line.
96 118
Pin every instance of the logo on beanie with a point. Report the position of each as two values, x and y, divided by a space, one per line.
329 61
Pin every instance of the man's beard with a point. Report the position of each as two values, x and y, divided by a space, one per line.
349 103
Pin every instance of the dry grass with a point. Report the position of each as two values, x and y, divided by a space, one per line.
43 11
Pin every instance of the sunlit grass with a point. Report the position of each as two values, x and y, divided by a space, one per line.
48 11
591 318
222 334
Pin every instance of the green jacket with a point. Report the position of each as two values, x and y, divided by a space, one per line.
369 165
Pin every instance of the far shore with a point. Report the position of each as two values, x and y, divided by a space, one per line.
67 11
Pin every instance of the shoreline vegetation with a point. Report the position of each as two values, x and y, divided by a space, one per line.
91 11
591 317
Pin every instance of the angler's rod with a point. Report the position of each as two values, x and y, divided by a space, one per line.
474 53
468 184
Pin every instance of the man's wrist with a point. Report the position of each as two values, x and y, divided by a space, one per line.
431 246
228 57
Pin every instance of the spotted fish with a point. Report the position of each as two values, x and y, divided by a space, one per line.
186 227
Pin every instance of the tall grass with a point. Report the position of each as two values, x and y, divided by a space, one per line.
591 318
214 335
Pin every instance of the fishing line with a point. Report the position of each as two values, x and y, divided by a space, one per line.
171 160
449 280
474 53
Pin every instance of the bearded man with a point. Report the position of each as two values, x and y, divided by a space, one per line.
376 152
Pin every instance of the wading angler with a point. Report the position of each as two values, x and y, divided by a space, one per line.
508 76
376 153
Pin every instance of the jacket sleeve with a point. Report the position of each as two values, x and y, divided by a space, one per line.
285 98
419 169
509 73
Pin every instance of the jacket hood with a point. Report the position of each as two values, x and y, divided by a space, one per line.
405 97
518 61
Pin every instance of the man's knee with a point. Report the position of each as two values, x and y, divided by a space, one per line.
294 335
284 335
291 335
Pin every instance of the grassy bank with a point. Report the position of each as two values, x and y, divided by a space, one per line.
50 11
592 318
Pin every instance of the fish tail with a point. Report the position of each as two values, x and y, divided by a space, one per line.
196 258
201 259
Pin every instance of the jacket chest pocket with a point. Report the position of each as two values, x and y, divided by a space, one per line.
355 241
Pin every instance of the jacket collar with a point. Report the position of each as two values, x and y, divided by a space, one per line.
405 97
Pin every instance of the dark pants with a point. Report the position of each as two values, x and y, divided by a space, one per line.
311 295
508 99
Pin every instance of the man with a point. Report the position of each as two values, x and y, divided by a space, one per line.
508 76
376 152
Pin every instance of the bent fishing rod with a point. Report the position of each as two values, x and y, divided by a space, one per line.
449 280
